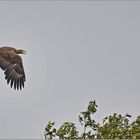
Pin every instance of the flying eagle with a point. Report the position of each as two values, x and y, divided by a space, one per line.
12 65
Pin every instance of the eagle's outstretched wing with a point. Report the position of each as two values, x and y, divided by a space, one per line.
12 64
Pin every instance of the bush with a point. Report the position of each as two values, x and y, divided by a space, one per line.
115 126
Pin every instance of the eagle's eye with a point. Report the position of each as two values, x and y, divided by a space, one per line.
11 55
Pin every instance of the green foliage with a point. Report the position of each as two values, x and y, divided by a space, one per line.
67 131
135 128
115 126
89 124
50 132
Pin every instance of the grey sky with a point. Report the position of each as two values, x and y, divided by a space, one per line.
77 51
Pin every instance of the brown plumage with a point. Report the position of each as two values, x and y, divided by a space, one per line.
12 64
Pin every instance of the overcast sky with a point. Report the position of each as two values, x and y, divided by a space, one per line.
77 52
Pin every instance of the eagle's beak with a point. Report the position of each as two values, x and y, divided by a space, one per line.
24 52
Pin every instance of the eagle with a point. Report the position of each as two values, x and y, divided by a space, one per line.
12 65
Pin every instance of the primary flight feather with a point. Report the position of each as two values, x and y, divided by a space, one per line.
11 63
